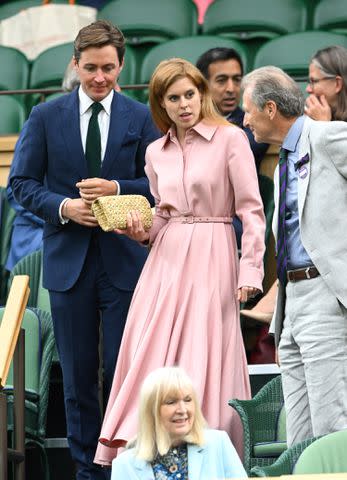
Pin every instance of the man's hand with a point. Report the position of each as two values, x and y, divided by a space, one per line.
92 188
79 211
134 229
318 108
245 293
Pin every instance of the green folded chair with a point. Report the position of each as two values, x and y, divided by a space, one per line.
285 463
331 15
293 52
326 455
263 421
8 9
14 73
12 115
152 21
7 216
189 48
245 19
39 347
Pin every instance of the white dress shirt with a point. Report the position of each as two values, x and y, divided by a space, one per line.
104 116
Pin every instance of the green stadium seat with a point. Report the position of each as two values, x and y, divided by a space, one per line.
9 9
152 21
285 463
326 455
189 48
331 15
293 52
12 115
14 73
49 67
39 347
263 421
7 216
244 19
254 22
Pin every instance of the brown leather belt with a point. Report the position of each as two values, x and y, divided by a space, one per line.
302 274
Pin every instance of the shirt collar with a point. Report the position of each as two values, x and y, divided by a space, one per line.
203 129
292 138
86 102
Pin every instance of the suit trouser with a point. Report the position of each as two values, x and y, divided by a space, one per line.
313 358
76 318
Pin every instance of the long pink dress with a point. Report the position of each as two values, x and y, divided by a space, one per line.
184 310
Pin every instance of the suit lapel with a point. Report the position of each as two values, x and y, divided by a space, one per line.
304 149
143 469
119 124
70 128
195 458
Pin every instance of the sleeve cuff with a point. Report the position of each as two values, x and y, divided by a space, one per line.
61 206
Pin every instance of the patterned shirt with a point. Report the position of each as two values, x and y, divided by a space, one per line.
173 465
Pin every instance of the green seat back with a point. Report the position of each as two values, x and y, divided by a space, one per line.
14 73
49 67
43 302
189 48
244 19
12 115
281 426
8 9
31 325
331 15
326 455
30 265
7 216
152 20
293 52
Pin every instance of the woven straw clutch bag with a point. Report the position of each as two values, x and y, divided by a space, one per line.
111 211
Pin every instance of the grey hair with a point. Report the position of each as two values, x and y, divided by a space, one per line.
272 83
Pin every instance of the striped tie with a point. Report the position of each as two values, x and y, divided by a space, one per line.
281 232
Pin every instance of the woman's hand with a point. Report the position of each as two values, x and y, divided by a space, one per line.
134 229
245 293
318 108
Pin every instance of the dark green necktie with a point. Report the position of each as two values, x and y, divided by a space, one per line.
281 232
93 143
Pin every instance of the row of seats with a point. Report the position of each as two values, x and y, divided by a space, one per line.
237 15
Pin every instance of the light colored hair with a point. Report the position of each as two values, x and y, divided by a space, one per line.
167 73
332 62
152 438
272 83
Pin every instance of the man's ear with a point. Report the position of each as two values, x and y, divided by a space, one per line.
74 61
270 108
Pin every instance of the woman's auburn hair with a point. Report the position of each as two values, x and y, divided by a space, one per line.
167 73
152 438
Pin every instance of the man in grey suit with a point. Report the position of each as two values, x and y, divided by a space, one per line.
310 320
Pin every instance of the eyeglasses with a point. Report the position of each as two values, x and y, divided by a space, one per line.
313 81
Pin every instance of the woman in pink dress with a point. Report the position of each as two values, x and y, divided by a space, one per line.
185 309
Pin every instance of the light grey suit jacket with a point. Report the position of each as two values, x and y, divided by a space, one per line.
322 204
216 460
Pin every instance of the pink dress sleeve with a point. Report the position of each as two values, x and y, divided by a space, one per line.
249 208
160 217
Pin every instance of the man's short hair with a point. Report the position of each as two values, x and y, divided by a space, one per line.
218 54
272 83
97 35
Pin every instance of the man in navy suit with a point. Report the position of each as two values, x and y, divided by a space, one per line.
90 274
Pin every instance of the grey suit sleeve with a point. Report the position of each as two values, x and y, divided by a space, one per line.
335 144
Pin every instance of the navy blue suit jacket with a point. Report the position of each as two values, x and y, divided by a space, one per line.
52 161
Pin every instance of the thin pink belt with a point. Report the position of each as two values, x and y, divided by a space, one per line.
191 219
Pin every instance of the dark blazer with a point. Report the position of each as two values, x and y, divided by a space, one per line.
52 161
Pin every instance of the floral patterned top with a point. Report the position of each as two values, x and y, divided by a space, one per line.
173 465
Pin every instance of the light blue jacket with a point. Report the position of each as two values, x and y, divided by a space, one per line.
215 460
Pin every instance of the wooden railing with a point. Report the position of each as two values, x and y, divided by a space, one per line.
12 347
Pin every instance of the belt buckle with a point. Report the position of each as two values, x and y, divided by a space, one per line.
307 272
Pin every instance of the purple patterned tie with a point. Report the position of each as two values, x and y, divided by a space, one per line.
281 231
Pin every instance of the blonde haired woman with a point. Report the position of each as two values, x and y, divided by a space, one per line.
185 309
172 441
